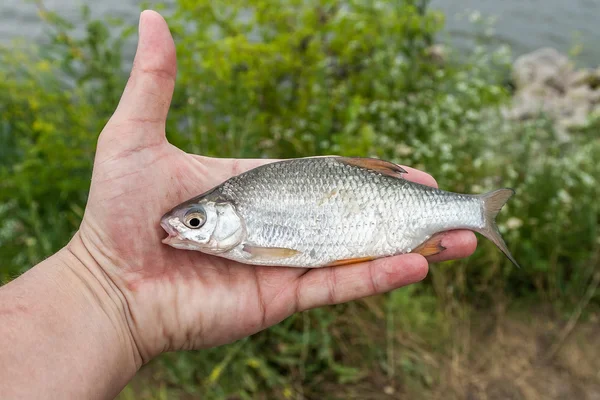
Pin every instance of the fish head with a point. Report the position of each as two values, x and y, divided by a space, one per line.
206 226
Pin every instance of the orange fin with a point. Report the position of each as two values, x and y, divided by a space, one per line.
431 247
349 261
271 253
374 164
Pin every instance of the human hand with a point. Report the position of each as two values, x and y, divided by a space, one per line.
173 299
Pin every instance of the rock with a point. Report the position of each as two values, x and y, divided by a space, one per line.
546 82
581 77
595 96
545 66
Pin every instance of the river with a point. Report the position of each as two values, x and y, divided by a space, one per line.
523 24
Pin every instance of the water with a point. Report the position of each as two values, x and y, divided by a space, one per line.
524 24
527 25
19 18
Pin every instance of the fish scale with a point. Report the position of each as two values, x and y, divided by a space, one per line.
364 206
313 212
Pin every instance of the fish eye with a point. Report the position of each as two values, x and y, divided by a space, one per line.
194 218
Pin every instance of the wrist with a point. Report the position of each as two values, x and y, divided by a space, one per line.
67 328
104 296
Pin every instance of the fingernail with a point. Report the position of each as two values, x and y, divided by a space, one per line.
141 24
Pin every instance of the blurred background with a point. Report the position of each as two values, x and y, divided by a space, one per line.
481 94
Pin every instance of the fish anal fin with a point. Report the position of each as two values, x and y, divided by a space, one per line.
270 253
430 247
349 261
374 164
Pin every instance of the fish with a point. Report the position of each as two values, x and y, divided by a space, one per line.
315 212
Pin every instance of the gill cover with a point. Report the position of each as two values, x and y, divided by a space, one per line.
229 230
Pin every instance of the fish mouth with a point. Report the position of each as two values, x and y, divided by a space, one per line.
174 239
172 232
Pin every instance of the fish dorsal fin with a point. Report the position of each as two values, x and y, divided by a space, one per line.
375 164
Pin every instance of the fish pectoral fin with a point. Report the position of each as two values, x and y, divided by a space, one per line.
270 253
381 166
349 261
430 247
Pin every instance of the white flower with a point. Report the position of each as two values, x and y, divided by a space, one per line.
514 223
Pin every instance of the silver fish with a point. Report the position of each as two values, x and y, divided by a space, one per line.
323 211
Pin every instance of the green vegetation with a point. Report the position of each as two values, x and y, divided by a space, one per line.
294 78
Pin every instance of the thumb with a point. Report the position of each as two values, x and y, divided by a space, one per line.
145 102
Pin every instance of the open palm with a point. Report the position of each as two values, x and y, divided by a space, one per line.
177 299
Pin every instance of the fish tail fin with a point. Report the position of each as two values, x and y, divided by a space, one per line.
492 204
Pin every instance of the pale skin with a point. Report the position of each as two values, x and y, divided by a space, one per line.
81 323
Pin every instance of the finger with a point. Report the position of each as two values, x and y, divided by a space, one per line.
335 285
419 176
147 96
458 244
